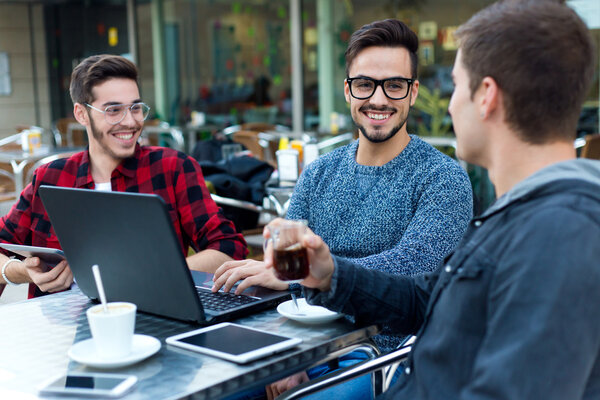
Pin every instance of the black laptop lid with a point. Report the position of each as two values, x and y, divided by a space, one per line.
131 238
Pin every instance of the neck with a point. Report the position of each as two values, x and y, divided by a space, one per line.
513 160
378 154
101 166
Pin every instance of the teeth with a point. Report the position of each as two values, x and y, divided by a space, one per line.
124 136
377 116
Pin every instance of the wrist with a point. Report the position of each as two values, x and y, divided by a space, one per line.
9 277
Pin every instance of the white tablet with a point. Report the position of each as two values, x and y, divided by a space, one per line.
232 342
48 255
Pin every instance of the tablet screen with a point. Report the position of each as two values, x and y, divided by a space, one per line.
233 339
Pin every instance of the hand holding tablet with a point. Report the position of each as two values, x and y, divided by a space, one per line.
46 254
233 342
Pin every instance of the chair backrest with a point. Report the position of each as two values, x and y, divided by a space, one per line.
69 132
164 135
46 160
591 148
250 140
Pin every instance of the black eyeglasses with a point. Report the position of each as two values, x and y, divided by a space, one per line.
363 87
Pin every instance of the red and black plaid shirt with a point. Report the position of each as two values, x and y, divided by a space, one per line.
172 175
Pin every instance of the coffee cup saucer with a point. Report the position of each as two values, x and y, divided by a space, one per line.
143 346
306 313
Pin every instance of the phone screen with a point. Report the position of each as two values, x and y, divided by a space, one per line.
233 339
88 382
92 384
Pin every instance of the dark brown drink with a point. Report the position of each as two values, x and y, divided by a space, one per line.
291 264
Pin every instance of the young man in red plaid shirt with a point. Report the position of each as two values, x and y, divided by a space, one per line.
107 102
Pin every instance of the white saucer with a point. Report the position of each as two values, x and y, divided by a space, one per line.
306 313
84 352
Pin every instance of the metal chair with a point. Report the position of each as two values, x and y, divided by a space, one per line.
47 160
381 364
68 132
173 136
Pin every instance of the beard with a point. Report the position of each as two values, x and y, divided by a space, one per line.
101 140
379 136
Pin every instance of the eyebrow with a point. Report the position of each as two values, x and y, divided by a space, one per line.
114 103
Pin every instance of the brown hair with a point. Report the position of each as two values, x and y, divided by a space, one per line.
95 70
541 55
385 33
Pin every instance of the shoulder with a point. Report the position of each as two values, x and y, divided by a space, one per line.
157 152
436 165
61 166
166 156
333 160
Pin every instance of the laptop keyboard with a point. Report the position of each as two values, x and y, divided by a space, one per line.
221 301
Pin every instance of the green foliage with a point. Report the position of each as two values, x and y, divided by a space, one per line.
436 108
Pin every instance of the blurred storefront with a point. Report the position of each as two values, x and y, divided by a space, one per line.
230 61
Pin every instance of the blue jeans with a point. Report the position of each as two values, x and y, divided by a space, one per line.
359 388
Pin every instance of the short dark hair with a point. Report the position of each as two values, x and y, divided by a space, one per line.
385 33
95 70
541 55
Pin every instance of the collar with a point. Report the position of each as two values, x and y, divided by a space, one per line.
126 168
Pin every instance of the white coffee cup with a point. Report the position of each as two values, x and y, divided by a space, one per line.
112 331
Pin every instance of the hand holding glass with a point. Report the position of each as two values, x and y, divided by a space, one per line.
290 258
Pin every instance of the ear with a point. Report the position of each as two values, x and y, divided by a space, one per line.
414 92
488 97
80 114
346 91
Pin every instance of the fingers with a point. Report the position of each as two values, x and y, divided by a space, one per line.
250 273
229 273
276 388
227 266
273 224
58 278
265 278
321 262
269 392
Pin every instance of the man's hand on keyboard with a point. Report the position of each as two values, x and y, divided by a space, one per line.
250 272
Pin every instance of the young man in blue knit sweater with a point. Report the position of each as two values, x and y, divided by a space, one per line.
513 312
388 201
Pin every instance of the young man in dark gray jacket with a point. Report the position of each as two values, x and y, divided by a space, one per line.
514 312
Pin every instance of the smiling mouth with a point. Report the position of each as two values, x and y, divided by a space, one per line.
378 116
124 135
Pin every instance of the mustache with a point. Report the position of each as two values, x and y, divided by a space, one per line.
120 127
369 107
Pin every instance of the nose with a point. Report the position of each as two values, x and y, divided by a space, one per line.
378 97
128 118
450 104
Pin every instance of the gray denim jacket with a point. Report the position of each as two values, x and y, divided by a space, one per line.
513 312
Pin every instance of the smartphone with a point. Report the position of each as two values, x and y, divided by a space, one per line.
233 342
46 254
89 384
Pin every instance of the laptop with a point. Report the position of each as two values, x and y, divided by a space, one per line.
131 238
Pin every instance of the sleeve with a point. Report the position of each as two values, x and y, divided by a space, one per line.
442 214
201 219
15 227
397 301
543 326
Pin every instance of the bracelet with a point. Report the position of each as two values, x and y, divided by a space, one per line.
8 282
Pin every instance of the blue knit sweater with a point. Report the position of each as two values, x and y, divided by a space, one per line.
402 217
